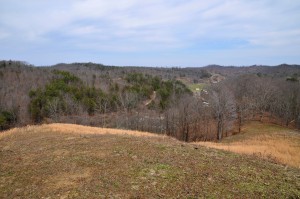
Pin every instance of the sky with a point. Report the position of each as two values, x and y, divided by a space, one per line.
184 33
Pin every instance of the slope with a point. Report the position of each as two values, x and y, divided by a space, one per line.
71 161
268 141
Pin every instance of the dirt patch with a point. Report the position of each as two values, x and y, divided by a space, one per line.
69 179
152 98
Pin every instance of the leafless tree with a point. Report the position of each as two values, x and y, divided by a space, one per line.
128 100
223 107
54 109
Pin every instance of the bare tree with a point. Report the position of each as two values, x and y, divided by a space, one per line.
128 100
54 109
223 107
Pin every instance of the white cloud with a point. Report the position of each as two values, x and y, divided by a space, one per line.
151 25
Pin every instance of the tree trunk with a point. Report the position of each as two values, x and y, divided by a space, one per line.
220 130
186 133
239 120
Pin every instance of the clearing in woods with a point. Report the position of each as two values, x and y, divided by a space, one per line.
196 87
73 161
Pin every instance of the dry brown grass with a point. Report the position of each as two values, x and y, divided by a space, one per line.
266 141
75 129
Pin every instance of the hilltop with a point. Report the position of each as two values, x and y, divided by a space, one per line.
73 161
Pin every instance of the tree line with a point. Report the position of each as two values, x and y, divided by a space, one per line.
148 99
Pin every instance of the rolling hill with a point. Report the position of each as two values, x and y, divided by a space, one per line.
190 104
73 161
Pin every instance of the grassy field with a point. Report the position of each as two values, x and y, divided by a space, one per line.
264 140
194 87
72 161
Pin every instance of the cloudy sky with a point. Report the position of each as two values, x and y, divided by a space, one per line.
151 32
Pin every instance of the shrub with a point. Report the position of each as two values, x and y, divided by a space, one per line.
7 119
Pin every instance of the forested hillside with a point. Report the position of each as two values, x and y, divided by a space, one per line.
191 104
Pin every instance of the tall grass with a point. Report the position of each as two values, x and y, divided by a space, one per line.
264 140
73 128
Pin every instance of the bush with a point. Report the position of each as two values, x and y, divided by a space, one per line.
7 119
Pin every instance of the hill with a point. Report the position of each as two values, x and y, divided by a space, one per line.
190 104
72 161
